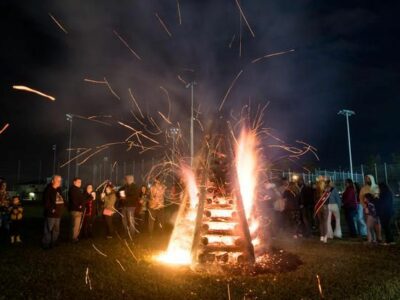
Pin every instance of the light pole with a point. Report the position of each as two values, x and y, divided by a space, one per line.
70 118
347 113
191 86
54 158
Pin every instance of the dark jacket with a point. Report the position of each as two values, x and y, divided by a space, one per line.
350 198
132 196
384 205
76 199
53 202
292 200
306 196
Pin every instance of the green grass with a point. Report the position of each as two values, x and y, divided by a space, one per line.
348 270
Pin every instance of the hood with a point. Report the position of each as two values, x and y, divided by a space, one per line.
373 183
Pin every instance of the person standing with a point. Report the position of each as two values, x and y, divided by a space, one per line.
109 198
350 205
334 204
306 201
16 213
292 209
76 207
385 211
4 205
142 214
129 195
372 217
53 209
156 204
321 208
90 196
360 217
371 188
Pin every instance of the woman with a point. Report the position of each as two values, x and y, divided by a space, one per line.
88 218
370 203
334 204
292 209
350 205
385 211
143 199
109 198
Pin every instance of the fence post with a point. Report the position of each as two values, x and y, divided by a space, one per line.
386 175
362 174
376 173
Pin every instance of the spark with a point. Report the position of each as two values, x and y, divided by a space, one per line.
91 155
165 118
122 267
163 25
319 287
95 81
271 55
87 278
101 253
228 91
178 7
127 45
244 18
169 100
232 40
58 23
111 90
134 100
182 80
229 291
4 128
76 157
28 89
130 250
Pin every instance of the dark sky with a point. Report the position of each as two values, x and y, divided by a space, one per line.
347 56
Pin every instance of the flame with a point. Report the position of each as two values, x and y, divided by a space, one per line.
179 251
246 168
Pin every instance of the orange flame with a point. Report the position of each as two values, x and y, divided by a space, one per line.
246 168
180 244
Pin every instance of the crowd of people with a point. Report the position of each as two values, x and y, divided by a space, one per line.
291 208
297 209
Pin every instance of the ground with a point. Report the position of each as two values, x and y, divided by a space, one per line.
348 269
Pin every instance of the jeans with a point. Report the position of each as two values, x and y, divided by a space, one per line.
128 219
155 216
15 227
372 222
76 218
351 214
323 220
360 221
51 231
109 224
307 218
386 226
333 209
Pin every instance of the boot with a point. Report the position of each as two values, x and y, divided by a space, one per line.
12 239
18 239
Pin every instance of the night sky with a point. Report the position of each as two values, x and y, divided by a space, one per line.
347 56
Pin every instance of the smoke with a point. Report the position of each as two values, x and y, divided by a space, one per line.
304 88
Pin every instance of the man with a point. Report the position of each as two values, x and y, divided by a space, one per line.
76 204
129 195
53 208
156 204
306 206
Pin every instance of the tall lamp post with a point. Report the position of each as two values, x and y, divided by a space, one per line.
191 86
347 113
70 118
54 158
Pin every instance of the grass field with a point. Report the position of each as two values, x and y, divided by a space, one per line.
347 270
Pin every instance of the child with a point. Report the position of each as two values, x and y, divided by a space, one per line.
16 213
371 217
